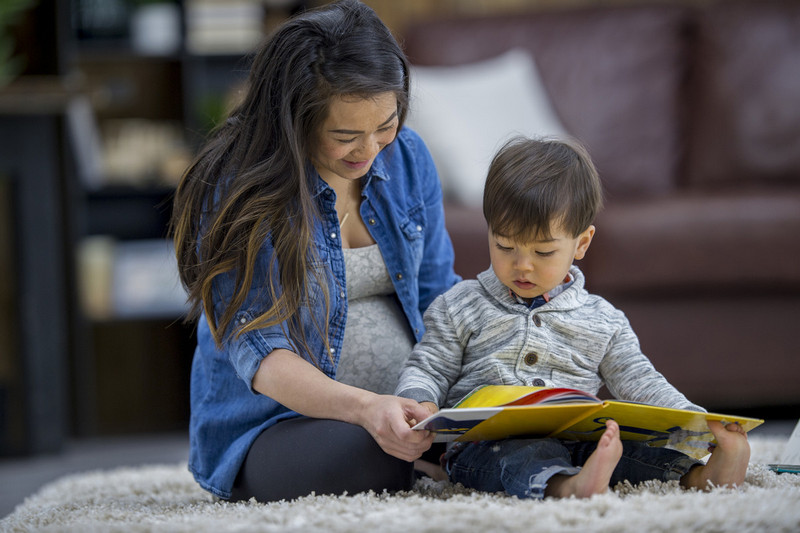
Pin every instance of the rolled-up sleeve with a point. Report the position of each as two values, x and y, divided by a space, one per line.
246 351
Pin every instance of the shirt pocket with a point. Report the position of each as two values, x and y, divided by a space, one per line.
413 229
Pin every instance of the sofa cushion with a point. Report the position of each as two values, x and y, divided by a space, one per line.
613 74
744 114
466 112
744 241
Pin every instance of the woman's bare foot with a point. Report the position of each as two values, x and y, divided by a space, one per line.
431 470
727 465
595 474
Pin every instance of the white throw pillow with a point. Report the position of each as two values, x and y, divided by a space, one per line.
466 113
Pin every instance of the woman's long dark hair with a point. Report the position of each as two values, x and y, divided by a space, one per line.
250 182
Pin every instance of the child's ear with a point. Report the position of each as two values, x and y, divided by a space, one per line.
584 240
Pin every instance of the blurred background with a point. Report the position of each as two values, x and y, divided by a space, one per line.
104 102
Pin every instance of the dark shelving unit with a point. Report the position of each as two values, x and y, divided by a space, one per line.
65 374
136 368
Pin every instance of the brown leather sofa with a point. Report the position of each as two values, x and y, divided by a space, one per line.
692 115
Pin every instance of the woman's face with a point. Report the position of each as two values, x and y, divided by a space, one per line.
353 133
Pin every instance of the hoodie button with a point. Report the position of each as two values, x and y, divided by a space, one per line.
531 358
537 321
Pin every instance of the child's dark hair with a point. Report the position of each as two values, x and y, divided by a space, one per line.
534 185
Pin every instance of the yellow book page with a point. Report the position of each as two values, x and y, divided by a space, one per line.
494 395
508 395
679 429
535 421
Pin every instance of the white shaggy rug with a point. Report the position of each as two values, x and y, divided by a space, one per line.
165 498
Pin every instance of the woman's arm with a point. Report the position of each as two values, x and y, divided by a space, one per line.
294 382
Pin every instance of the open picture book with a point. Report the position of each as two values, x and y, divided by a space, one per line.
495 412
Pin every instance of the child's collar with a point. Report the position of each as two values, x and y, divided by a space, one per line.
546 297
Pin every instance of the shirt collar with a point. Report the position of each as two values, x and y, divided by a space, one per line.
378 171
546 297
379 168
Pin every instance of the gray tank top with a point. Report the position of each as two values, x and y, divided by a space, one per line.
377 338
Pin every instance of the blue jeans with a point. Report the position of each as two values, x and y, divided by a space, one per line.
522 467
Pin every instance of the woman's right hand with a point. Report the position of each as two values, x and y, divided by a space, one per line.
389 420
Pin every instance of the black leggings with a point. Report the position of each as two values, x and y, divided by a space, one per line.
302 455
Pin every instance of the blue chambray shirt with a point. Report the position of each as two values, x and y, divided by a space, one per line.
402 208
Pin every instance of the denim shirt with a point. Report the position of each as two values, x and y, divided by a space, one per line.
402 209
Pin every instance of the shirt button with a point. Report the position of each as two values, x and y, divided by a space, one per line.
538 382
398 276
372 222
537 321
333 235
419 228
531 358
341 294
331 350
243 320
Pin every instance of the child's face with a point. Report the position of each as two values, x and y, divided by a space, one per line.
531 269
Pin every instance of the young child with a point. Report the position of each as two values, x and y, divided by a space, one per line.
528 320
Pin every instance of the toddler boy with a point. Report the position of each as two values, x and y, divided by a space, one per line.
528 320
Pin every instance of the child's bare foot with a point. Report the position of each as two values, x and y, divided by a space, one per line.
595 474
727 465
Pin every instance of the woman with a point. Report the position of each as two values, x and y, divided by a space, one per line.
311 209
